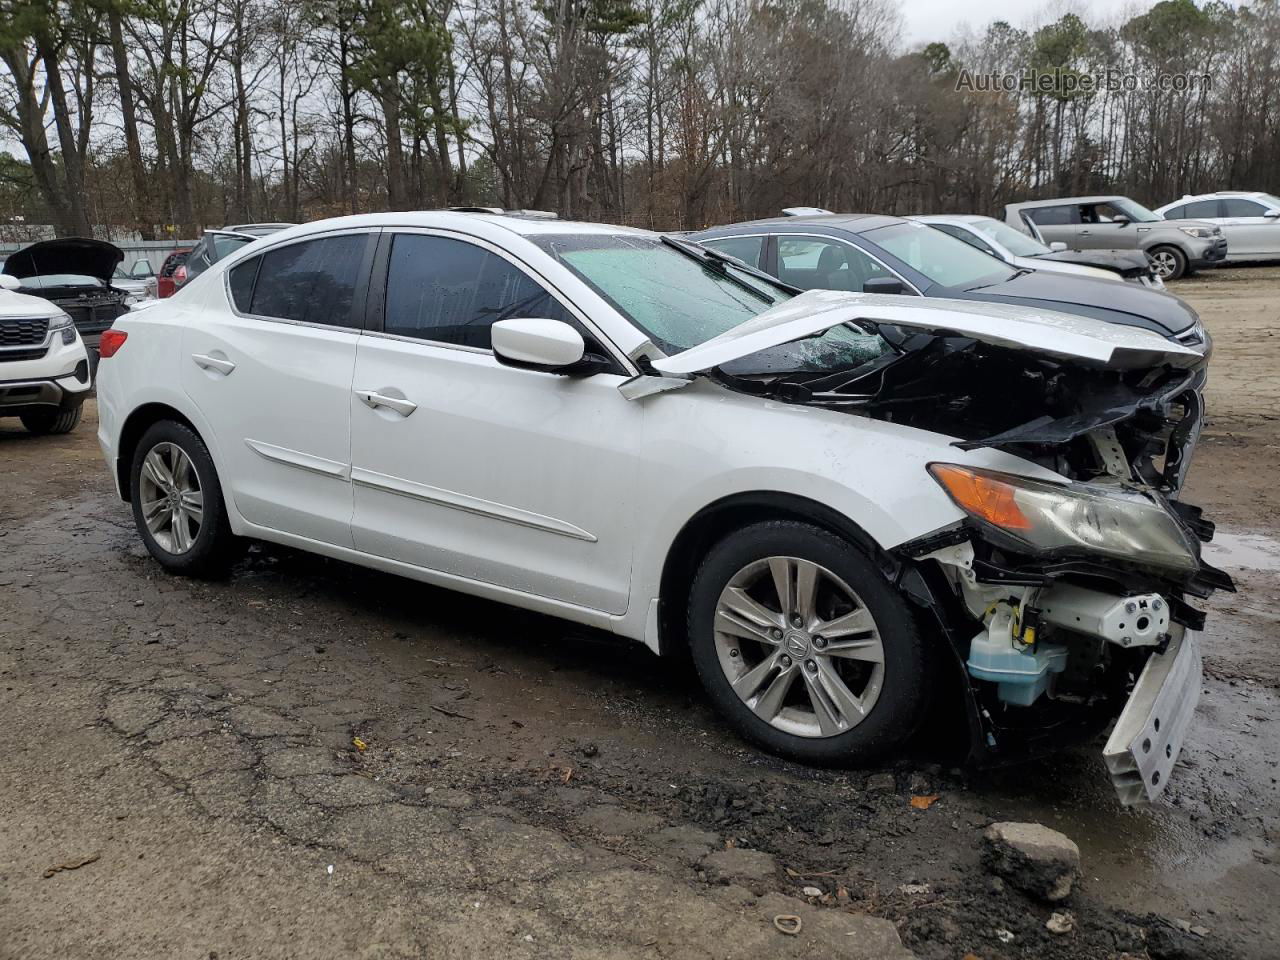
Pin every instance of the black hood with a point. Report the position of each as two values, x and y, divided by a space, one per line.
1128 303
91 258
1127 262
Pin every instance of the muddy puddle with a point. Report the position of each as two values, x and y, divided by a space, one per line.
1234 550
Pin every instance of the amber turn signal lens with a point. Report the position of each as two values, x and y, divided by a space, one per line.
982 495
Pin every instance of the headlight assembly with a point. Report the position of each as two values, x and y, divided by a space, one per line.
1049 518
1202 232
63 322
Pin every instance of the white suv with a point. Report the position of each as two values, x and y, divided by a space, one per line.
44 369
836 502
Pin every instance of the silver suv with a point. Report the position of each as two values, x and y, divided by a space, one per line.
1174 247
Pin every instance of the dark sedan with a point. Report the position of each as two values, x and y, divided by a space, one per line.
878 254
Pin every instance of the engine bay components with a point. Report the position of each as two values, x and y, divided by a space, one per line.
1140 620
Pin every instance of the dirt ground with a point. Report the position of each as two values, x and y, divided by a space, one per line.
530 789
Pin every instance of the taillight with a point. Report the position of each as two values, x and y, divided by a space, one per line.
110 342
180 276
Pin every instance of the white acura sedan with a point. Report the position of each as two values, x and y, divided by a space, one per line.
842 505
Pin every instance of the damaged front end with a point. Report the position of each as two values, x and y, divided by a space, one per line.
1068 602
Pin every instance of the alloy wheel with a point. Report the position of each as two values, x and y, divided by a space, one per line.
171 498
799 647
1164 262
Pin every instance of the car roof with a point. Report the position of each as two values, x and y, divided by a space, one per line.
950 218
847 222
1190 198
517 223
1063 200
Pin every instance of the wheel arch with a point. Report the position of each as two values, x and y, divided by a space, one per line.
715 521
135 425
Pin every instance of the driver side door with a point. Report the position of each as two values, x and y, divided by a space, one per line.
481 471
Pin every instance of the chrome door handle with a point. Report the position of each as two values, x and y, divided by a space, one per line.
213 363
374 399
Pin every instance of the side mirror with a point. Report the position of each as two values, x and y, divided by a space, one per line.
1121 221
552 346
8 282
882 285
1272 214
1057 246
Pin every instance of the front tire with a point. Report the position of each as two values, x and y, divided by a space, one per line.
804 647
177 502
51 421
1169 263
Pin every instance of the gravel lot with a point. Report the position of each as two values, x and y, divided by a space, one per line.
523 788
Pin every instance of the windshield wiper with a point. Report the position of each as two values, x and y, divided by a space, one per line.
718 263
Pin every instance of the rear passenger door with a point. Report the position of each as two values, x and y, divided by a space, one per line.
517 478
1249 231
268 361
1059 224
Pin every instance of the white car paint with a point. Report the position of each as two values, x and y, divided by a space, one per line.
969 224
553 493
58 364
1253 233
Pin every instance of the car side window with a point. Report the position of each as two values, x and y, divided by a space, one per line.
451 291
1238 207
1200 210
1175 213
811 263
1054 216
746 249
240 279
309 282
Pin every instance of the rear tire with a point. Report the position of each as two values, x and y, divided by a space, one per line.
1169 263
52 421
177 503
844 698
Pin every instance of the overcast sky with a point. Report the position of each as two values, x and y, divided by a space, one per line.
924 21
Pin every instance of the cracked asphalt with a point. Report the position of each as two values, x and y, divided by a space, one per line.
313 760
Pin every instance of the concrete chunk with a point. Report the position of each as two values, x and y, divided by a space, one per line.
1032 857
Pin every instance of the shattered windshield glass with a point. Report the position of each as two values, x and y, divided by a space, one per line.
682 299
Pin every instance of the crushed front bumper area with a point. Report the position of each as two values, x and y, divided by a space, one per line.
1143 748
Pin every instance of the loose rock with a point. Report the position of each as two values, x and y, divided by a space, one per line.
1060 923
881 783
1032 857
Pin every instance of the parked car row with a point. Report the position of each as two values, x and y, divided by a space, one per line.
849 463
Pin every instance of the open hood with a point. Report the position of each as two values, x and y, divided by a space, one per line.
1058 335
76 255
